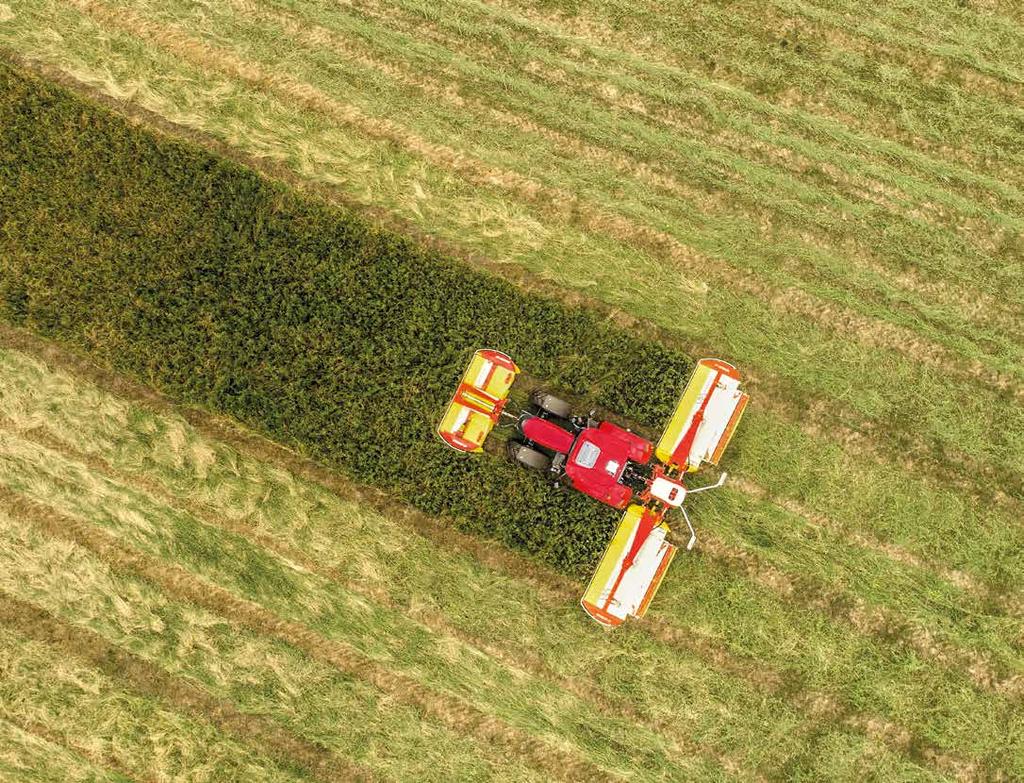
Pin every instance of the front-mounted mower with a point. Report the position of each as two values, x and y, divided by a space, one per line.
609 463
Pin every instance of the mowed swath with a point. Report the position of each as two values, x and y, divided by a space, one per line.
163 457
858 259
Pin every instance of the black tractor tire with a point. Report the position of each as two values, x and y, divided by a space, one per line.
551 404
529 458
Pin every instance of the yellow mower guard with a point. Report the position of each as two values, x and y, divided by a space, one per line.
631 569
705 419
478 401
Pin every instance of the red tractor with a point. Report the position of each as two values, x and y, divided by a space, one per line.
608 463
599 459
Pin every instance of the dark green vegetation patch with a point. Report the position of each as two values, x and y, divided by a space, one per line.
297 317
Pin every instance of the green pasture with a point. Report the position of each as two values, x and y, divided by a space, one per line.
827 193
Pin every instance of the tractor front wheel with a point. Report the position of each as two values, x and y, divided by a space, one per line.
529 458
551 404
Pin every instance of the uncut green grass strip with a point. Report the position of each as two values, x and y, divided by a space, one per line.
760 335
496 327
402 358
580 164
169 444
47 685
31 754
322 707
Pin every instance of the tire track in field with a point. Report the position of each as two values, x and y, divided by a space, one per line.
827 315
103 761
876 622
449 710
973 306
980 76
261 735
1012 604
518 660
551 588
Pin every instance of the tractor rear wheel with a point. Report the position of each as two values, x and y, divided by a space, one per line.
551 404
529 458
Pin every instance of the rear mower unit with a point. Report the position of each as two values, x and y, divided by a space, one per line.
610 464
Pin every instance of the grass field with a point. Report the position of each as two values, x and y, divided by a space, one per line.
829 194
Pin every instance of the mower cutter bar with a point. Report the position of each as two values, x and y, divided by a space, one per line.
478 401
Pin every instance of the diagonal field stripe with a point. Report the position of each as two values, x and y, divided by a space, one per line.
256 732
551 588
451 711
829 315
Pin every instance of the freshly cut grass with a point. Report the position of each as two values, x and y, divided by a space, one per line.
101 724
27 756
320 706
455 597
